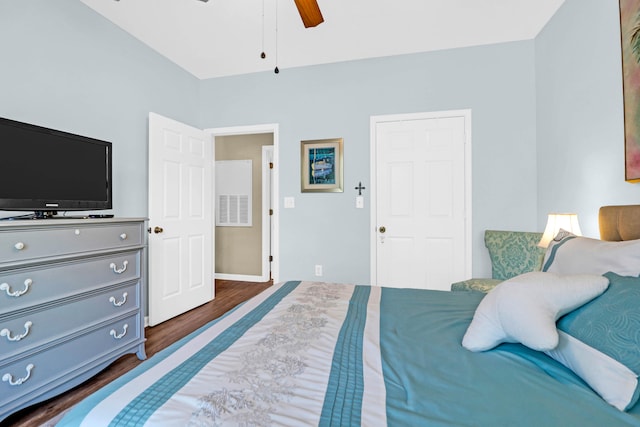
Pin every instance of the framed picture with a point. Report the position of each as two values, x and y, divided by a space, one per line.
630 38
321 166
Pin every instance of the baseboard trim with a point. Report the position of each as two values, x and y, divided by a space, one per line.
241 277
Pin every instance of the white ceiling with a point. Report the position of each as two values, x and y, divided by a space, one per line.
226 37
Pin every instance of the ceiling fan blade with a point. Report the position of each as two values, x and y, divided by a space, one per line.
309 12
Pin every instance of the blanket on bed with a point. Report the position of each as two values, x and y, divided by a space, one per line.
310 353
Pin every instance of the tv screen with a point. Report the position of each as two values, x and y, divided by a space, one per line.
45 170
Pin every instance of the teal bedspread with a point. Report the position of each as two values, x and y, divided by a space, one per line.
308 353
436 382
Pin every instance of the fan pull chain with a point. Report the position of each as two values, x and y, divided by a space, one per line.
262 54
276 69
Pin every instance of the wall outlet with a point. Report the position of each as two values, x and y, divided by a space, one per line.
318 270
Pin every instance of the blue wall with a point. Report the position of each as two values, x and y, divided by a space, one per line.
546 118
580 113
66 67
337 100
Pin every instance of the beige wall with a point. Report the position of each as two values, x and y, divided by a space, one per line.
239 249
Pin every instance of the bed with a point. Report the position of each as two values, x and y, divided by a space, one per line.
314 353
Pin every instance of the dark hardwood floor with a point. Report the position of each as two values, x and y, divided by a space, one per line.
228 295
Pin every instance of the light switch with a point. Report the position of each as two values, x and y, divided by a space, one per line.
289 203
359 202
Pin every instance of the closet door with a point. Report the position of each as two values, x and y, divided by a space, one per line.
421 230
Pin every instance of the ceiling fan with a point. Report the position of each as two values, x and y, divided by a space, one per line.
309 12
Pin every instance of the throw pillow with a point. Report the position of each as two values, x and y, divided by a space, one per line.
601 344
525 309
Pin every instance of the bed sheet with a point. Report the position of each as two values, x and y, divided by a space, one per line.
313 353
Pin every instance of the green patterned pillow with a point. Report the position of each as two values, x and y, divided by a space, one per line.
513 252
480 285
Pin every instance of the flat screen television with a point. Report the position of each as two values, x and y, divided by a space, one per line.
45 170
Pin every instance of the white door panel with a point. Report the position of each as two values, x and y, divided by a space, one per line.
180 205
421 201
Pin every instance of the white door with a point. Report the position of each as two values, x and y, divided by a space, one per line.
181 239
422 200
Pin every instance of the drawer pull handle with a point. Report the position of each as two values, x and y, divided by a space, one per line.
7 333
117 270
114 334
9 378
5 287
115 303
123 236
19 246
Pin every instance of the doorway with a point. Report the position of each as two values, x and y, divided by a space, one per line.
421 207
249 253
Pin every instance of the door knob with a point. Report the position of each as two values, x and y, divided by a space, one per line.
382 229
158 230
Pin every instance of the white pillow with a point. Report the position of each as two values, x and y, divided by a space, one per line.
569 254
525 309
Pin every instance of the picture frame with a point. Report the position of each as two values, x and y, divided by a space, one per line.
321 166
630 44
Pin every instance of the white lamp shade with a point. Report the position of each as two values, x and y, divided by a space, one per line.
557 221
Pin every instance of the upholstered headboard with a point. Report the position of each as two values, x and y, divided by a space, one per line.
619 223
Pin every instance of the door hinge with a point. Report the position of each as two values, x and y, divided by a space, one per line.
270 165
270 258
270 211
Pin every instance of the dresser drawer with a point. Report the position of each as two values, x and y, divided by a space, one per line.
27 375
24 332
22 288
34 243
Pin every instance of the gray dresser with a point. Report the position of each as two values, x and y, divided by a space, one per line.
71 299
